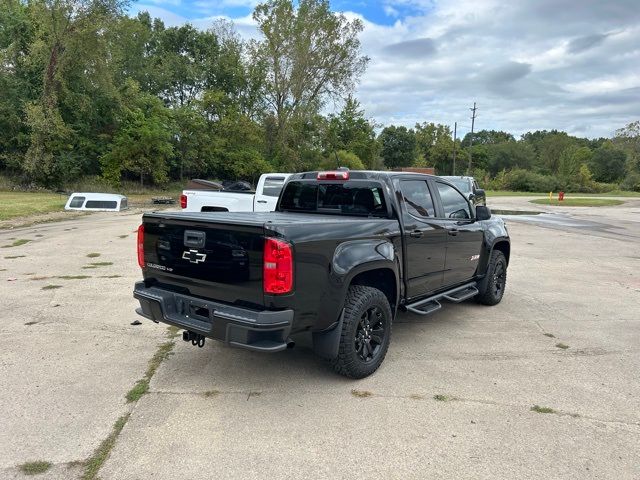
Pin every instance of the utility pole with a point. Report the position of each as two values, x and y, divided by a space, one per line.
473 120
455 134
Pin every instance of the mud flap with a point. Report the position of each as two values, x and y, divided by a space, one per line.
327 342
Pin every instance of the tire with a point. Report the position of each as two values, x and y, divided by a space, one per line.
492 286
366 332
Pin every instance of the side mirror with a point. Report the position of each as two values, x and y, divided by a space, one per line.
483 212
479 192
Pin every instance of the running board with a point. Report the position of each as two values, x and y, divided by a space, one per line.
431 304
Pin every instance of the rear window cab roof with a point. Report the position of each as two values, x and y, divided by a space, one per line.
96 202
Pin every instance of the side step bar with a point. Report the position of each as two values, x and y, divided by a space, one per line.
431 304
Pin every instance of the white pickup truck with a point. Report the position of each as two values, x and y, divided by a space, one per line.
262 200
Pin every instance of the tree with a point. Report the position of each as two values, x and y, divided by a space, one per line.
310 54
608 163
341 158
628 139
487 137
509 155
67 48
398 146
142 145
435 147
352 132
571 160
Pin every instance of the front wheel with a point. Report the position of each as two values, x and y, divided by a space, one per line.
366 332
492 286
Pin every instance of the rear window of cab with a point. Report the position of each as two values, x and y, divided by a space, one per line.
364 198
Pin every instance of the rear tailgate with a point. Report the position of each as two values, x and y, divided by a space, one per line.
206 255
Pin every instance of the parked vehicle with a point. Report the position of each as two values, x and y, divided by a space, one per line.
341 255
100 202
469 186
236 200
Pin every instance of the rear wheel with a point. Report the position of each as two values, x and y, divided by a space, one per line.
366 332
493 284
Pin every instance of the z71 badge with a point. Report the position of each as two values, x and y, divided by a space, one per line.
474 258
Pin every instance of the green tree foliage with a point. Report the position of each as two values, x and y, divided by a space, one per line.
87 90
608 163
487 137
398 146
434 143
342 158
311 54
509 155
350 131
142 144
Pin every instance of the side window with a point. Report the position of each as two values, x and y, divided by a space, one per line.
417 198
453 203
272 186
76 202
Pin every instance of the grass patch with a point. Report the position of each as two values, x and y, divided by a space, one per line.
17 243
562 346
142 386
74 277
123 236
416 396
97 265
93 255
361 393
94 463
539 409
507 193
443 398
35 468
211 393
110 276
42 277
51 287
11 257
578 202
22 204
550 335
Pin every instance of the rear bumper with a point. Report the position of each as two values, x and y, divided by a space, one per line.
263 331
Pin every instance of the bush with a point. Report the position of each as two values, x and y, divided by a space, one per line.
526 181
631 182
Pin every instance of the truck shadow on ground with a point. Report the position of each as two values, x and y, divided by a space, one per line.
219 368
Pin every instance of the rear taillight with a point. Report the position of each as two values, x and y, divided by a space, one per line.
277 267
183 201
141 246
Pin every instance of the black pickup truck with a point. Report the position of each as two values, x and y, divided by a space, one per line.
341 255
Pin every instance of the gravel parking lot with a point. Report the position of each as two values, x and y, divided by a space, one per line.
544 385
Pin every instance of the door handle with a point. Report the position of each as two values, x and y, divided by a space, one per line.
452 231
416 234
262 201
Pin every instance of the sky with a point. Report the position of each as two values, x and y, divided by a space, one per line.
571 65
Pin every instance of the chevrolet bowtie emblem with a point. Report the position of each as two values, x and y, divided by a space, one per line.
194 256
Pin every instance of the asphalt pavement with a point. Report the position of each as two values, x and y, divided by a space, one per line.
453 399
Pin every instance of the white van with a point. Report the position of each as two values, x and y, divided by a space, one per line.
96 202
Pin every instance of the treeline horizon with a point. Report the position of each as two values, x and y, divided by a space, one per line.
90 93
